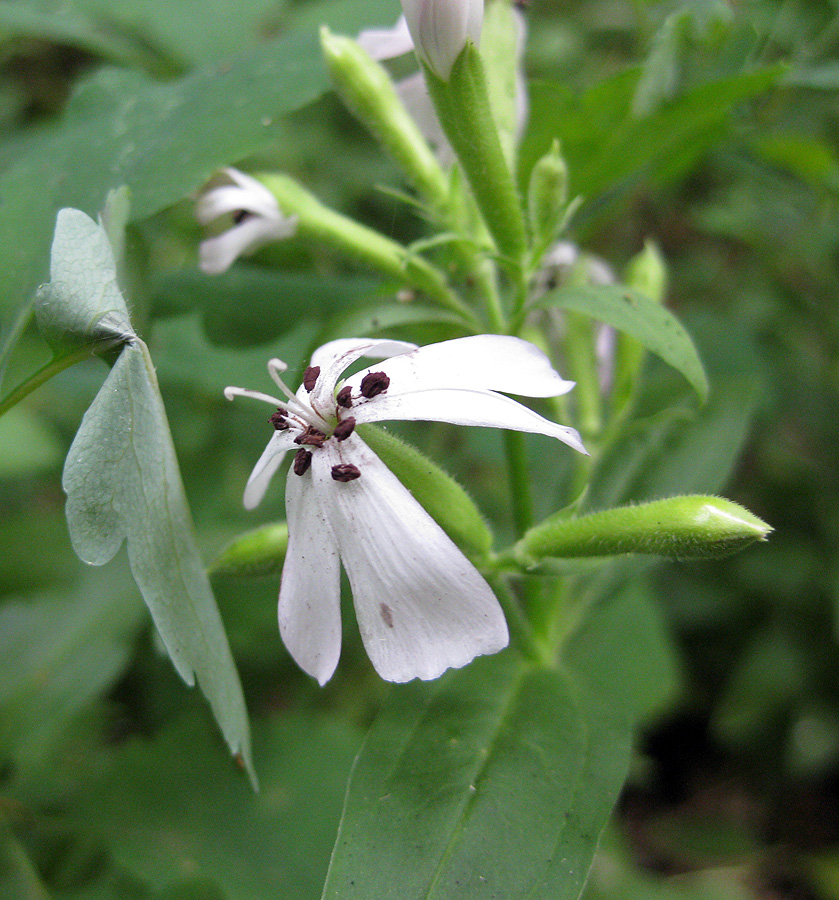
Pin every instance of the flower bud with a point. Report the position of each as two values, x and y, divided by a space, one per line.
547 197
257 552
693 527
369 93
441 28
647 272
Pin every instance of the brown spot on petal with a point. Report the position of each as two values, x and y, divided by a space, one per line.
387 614
344 428
311 437
374 383
302 461
344 397
310 377
345 472
280 419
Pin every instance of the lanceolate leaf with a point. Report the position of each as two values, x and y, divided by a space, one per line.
635 314
122 478
495 782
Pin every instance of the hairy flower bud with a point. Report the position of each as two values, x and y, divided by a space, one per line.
441 28
692 527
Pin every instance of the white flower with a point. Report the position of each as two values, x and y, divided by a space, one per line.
441 28
421 606
257 219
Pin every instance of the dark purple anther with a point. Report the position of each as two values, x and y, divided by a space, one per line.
310 377
302 461
311 436
344 428
374 383
345 472
344 397
240 215
280 419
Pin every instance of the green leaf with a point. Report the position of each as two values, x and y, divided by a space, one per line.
18 877
608 148
637 315
122 478
659 79
494 781
684 448
624 651
122 482
82 304
446 501
161 139
401 317
60 23
27 444
163 812
57 655
250 304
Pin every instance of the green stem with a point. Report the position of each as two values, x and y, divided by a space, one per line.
13 335
320 223
369 93
582 367
521 633
521 495
486 281
52 368
463 107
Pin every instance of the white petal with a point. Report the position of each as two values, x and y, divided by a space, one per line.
440 29
422 607
217 254
387 43
244 193
494 362
310 593
281 442
333 358
469 407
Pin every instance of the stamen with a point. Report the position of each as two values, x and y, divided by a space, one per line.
311 436
275 366
280 419
302 461
345 472
344 397
310 378
240 215
344 428
374 383
231 392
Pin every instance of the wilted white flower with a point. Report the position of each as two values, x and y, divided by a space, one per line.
421 606
257 219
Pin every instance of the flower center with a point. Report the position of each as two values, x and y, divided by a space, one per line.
315 428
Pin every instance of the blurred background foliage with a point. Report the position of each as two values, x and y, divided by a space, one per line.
710 127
